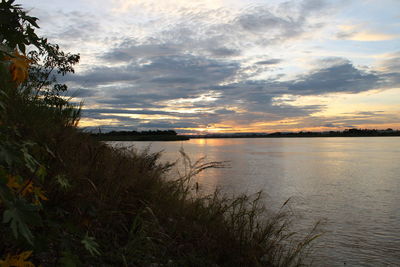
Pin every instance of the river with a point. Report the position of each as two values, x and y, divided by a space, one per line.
351 184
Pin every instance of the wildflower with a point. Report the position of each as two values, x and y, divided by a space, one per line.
27 188
17 260
19 67
12 182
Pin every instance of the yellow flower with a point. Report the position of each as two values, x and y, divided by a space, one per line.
38 195
19 67
19 260
12 182
27 188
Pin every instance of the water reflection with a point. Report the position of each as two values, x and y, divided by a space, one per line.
352 182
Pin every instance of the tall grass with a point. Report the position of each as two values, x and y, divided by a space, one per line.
142 216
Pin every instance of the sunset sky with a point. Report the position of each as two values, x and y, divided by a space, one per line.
230 65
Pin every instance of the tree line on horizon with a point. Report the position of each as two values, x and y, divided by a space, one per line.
135 133
347 132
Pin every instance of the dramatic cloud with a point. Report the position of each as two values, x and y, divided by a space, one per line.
342 77
225 65
207 89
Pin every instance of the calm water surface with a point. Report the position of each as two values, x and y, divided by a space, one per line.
353 184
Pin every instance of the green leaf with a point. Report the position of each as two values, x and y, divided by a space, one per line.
41 173
63 181
5 156
32 20
49 151
90 245
30 162
19 215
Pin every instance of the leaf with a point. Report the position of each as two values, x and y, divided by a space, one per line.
6 156
32 20
90 245
63 181
41 173
49 151
30 162
21 47
19 215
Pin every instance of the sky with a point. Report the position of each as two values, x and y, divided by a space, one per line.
225 66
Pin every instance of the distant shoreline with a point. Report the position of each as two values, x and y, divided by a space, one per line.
144 138
171 135
183 138
345 133
289 136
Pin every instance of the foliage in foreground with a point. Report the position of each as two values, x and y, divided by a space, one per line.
69 200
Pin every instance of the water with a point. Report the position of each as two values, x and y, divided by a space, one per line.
352 184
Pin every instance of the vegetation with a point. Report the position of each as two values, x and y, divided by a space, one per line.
345 133
169 135
67 199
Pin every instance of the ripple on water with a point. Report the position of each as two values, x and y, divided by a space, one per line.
351 183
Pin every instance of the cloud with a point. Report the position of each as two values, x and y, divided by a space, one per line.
254 23
391 63
216 33
342 77
390 67
125 111
100 75
80 25
272 61
201 91
224 52
157 72
360 119
82 93
131 50
330 125
192 65
69 29
371 36
361 34
313 5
